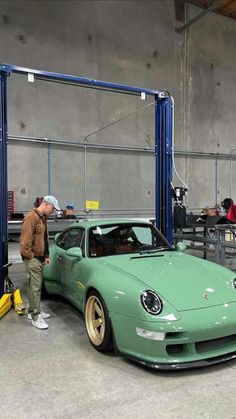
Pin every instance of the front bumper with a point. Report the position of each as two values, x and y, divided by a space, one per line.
184 365
199 338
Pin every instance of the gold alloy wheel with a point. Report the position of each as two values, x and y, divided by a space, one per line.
95 320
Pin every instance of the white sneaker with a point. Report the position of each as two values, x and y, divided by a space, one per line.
40 323
42 314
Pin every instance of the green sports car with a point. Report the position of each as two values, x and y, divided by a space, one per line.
144 298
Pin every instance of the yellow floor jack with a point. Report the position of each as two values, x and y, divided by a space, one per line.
11 297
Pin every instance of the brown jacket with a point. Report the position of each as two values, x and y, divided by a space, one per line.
32 239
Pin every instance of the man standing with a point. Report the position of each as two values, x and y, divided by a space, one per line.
34 249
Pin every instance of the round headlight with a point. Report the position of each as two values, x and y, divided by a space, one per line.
234 283
151 302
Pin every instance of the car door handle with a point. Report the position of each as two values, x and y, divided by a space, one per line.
59 258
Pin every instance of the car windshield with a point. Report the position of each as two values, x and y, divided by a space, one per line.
118 239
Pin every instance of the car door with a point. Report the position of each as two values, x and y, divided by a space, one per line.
71 272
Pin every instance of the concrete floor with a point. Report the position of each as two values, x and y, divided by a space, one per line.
57 374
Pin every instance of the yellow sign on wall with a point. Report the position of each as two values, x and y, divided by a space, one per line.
92 205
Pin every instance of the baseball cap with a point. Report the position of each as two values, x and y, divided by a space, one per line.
52 200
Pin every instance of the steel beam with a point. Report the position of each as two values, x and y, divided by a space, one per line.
82 81
213 6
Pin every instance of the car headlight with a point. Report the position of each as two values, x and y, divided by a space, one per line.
151 302
234 283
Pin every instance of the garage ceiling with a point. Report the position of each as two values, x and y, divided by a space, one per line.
223 7
226 7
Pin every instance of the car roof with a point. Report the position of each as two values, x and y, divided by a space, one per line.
105 221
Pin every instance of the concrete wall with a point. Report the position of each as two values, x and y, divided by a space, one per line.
212 103
128 42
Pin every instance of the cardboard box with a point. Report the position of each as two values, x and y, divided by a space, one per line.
69 212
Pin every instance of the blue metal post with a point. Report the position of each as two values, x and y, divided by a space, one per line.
163 160
3 181
49 169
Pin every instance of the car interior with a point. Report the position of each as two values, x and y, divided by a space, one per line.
120 240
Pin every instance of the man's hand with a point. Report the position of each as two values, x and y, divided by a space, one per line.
47 261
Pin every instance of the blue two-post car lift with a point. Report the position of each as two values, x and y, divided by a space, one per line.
163 148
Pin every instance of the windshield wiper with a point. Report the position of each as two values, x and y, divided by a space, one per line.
147 256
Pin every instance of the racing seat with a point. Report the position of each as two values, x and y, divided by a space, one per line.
95 248
123 246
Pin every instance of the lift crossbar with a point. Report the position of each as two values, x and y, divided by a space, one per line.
82 81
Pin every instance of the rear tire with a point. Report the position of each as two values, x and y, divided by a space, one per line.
98 324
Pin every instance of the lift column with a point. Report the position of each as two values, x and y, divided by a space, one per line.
3 180
163 161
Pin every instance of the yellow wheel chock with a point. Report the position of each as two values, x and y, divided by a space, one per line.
11 298
5 304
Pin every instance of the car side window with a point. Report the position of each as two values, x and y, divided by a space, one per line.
75 238
61 241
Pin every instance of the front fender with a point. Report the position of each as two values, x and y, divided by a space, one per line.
121 293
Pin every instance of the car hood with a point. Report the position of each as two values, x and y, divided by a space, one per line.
187 282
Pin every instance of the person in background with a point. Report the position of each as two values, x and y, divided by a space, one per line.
228 205
34 249
230 212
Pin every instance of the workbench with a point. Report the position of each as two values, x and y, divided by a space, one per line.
54 226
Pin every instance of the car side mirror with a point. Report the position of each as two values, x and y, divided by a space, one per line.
75 252
181 247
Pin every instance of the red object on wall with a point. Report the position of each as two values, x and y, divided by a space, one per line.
11 203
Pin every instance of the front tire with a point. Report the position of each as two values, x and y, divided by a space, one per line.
98 324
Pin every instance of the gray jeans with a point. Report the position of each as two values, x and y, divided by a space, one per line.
34 275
